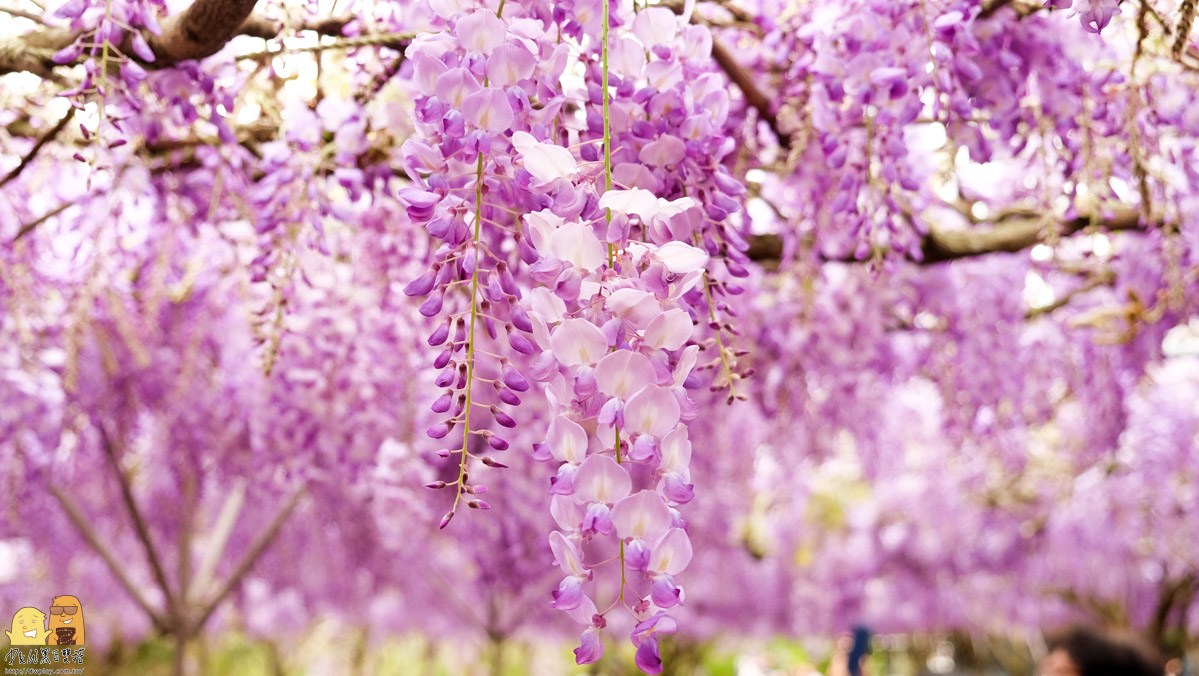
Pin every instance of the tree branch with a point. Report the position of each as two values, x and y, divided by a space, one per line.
247 562
397 41
753 96
218 539
34 52
20 13
37 147
1012 236
117 569
139 523
1105 278
200 31
990 8
947 245
266 28
29 227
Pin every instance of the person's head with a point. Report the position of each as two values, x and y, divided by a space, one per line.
1083 651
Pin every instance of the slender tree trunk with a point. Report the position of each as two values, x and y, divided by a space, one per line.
276 662
179 664
498 643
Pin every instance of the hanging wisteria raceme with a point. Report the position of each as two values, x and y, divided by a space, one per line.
466 176
618 278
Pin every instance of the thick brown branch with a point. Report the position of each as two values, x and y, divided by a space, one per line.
1022 8
948 245
989 9
200 31
34 52
1172 594
260 26
218 540
1012 236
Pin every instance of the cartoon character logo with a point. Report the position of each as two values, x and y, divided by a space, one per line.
28 628
66 621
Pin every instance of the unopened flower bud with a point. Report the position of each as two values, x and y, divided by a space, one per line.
432 306
502 418
513 379
520 343
439 335
422 284
508 396
442 404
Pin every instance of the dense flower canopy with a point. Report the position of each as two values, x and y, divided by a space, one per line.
719 317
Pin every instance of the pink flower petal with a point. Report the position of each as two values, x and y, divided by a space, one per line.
454 85
508 64
545 161
623 372
567 513
633 305
481 31
567 440
671 554
568 554
670 330
591 648
681 258
686 363
655 26
653 410
577 244
635 202
578 342
601 479
641 515
488 109
666 151
676 451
